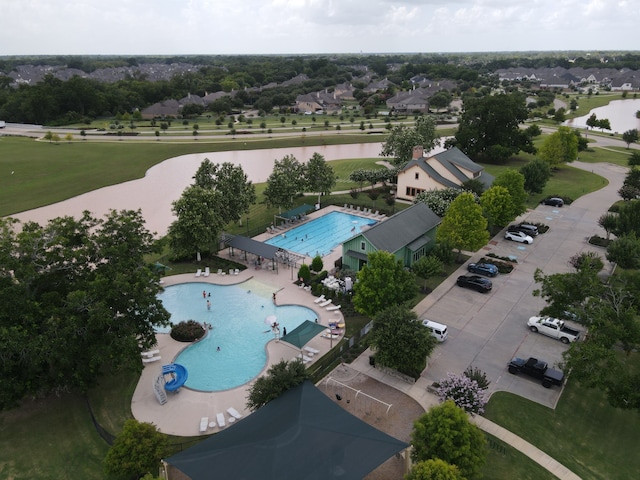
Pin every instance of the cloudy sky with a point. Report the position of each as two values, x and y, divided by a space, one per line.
138 27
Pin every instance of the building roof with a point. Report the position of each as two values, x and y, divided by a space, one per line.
403 228
301 435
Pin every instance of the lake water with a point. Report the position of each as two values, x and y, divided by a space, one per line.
621 115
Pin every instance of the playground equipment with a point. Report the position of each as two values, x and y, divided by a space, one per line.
178 378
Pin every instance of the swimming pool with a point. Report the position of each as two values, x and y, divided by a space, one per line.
322 235
237 315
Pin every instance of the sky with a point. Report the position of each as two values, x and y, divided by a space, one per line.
215 27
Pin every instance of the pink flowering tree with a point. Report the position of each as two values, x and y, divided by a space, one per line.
464 391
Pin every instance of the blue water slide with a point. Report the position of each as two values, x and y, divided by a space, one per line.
178 374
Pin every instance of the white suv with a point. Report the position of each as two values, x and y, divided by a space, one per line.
520 237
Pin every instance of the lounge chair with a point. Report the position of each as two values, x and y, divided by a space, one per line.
204 424
150 353
377 213
234 413
330 335
319 299
236 271
333 307
220 420
325 303
231 271
312 351
351 207
199 272
219 271
308 288
207 272
345 207
304 358
151 359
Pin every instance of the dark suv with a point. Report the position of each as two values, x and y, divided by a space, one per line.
475 282
527 228
553 201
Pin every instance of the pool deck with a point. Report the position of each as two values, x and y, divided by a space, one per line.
183 411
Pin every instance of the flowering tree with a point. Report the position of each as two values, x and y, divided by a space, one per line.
464 391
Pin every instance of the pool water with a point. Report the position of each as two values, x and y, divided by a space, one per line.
322 235
237 315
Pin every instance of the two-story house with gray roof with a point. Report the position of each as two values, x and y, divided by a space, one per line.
448 169
409 235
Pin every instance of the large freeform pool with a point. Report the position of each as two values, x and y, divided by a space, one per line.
321 235
237 314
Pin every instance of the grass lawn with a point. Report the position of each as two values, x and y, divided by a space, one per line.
505 462
584 433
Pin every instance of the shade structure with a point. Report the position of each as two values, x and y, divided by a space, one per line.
304 332
302 435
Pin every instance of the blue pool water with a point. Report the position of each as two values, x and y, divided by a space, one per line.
238 315
322 235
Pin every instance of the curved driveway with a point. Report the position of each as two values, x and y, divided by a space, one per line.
487 330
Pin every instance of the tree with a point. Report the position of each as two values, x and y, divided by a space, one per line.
536 175
587 261
440 100
317 264
628 219
382 282
630 136
434 469
401 341
559 147
438 200
592 121
319 176
634 159
490 127
463 226
608 222
513 181
48 136
198 222
136 451
427 267
497 206
68 137
402 140
280 377
236 193
284 183
465 392
445 432
625 251
77 299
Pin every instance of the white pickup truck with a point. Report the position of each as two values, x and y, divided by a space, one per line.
554 328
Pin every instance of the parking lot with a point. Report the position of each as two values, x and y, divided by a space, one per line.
487 330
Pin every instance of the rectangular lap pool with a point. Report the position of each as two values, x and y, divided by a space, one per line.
322 235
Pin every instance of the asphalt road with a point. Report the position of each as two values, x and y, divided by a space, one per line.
487 330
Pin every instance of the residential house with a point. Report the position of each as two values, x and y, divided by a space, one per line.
320 102
409 235
448 169
166 108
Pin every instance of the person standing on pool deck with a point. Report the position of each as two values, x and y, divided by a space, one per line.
274 297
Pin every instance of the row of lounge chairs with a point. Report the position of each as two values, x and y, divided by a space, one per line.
363 211
207 272
220 420
151 356
323 302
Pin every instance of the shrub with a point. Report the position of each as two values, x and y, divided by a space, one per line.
503 267
599 241
304 273
187 331
317 264
479 376
464 391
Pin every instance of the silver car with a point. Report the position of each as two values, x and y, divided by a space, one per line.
518 236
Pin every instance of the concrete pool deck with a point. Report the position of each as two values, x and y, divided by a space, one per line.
182 413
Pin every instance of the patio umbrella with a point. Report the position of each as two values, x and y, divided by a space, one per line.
270 320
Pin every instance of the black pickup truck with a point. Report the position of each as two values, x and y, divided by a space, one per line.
537 369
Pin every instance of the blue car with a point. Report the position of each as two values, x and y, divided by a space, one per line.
486 269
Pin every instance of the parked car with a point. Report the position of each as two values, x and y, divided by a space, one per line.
553 201
475 282
527 228
518 236
554 328
437 330
486 269
537 369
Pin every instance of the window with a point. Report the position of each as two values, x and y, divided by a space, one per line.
363 246
417 176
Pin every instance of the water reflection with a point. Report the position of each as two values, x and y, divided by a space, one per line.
621 115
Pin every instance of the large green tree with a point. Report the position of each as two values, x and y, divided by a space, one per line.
280 377
490 127
497 206
513 181
625 251
427 267
400 142
319 176
536 175
285 182
382 282
76 300
198 224
136 451
628 219
401 341
630 136
463 226
559 147
445 432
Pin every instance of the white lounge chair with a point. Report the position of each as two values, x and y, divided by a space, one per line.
325 303
319 299
204 424
198 272
333 307
345 207
220 420
304 358
219 271
308 288
150 353
151 359
236 271
207 272
231 271
234 413
312 351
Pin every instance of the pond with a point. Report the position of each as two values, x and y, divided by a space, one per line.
621 115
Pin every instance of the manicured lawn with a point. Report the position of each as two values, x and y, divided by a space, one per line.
584 433
505 463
